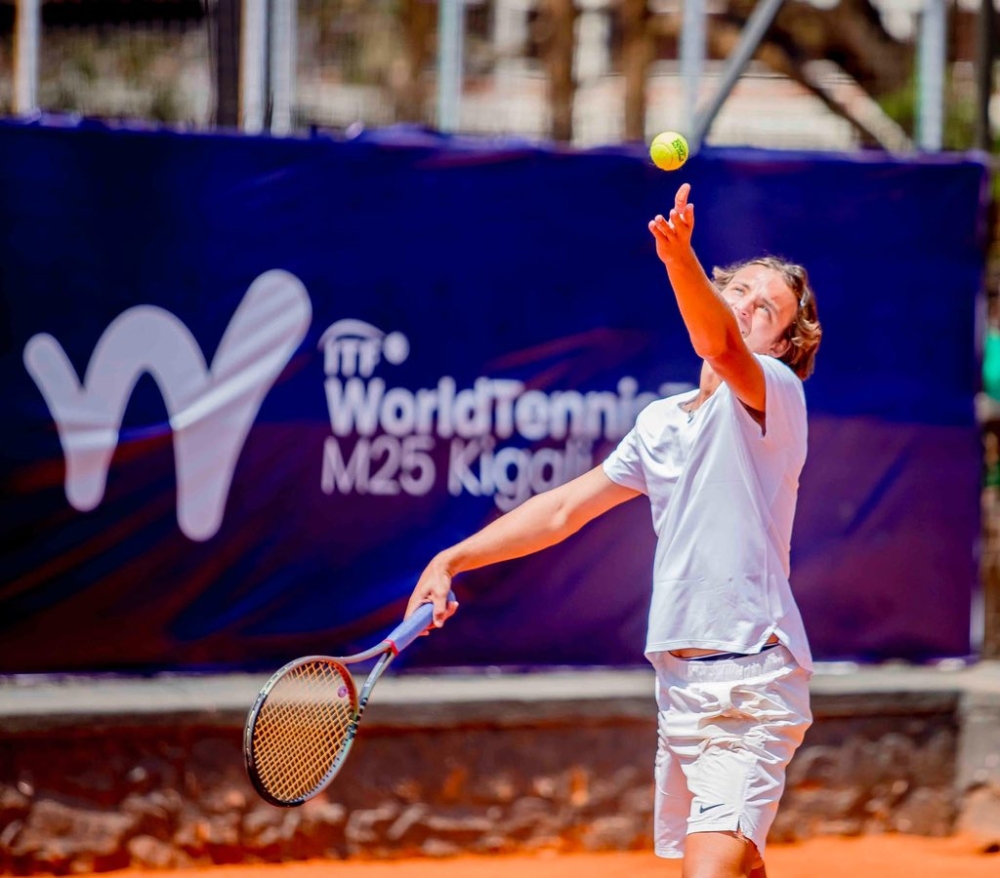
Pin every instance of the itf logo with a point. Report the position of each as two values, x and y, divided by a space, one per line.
211 408
353 347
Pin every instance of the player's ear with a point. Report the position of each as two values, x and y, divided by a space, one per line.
780 347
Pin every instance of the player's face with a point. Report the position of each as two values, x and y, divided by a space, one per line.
764 306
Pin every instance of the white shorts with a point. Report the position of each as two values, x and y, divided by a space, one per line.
727 730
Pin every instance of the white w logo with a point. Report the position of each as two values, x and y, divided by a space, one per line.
211 410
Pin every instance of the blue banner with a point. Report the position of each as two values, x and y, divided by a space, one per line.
251 386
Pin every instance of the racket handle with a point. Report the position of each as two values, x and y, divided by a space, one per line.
410 629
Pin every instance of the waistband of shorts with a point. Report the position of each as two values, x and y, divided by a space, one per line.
734 667
719 656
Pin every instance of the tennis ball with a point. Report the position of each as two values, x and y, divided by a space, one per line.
669 150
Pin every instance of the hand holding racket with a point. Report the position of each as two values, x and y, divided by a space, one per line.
434 587
302 725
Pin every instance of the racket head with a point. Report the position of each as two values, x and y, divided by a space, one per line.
300 729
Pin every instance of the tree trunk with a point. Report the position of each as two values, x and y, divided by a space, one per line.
637 50
557 21
225 31
985 56
410 94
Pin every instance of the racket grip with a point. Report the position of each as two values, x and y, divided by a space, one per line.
410 629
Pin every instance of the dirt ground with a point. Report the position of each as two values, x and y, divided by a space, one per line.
888 856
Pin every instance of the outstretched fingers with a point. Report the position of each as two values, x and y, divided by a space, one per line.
681 198
680 218
683 211
662 228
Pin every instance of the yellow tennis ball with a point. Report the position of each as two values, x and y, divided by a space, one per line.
669 150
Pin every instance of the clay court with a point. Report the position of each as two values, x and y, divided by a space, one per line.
885 856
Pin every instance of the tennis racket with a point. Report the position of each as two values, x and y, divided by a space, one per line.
302 725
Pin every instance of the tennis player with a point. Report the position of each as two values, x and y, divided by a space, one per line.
720 466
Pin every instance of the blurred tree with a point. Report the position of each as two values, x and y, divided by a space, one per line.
637 53
554 33
419 19
851 34
224 37
960 114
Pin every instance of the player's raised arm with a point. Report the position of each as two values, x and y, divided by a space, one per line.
536 524
713 325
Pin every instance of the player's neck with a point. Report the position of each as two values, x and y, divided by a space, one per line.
707 385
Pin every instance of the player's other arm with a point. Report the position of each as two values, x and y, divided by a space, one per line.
540 522
712 327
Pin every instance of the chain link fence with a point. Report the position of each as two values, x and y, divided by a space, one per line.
354 62
115 59
376 62
142 61
559 69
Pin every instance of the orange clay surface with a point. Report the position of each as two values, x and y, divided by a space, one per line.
886 856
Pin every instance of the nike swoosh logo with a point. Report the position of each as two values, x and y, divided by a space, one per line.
705 808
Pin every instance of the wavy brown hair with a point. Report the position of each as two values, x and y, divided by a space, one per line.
804 332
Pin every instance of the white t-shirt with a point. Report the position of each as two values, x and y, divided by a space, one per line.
722 493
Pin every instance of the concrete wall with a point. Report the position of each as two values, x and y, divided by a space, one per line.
107 774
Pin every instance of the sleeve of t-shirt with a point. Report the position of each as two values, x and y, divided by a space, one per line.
624 465
786 402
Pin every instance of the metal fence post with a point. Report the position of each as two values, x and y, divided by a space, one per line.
282 64
27 30
692 52
253 66
932 50
451 35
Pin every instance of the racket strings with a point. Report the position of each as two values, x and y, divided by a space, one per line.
302 728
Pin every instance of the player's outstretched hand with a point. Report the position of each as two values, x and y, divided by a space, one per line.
434 586
673 234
